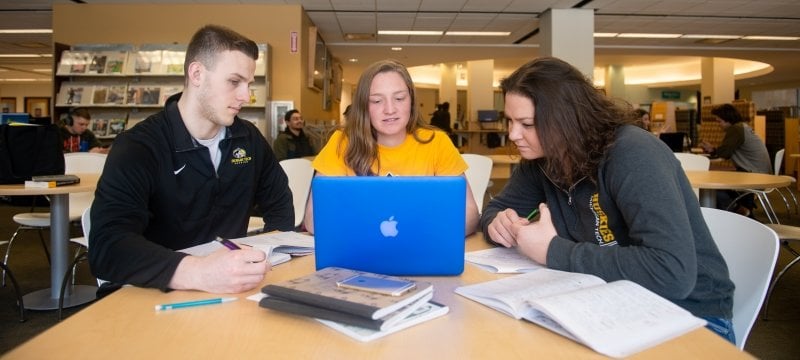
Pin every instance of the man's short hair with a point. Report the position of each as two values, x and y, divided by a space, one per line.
211 40
727 113
288 115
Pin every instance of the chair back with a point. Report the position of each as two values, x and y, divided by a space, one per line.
478 174
778 161
693 162
299 171
750 249
82 162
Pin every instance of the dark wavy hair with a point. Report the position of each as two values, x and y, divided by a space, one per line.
575 122
727 113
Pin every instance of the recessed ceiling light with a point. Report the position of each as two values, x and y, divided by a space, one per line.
397 48
409 32
701 36
649 36
604 35
26 31
478 33
759 37
24 55
352 60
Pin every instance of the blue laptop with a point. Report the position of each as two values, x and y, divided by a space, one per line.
390 225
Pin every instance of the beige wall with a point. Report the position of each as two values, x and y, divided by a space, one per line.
175 23
21 91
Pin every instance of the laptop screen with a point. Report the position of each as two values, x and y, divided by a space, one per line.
390 225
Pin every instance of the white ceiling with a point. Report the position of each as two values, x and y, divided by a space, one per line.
336 18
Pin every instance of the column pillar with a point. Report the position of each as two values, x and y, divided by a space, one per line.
480 94
717 80
568 34
448 91
615 81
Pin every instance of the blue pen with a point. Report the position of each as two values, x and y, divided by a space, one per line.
194 303
227 243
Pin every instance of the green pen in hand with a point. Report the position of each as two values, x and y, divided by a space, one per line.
533 214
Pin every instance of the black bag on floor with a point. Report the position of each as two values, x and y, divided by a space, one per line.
29 150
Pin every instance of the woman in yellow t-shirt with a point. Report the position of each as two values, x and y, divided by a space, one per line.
384 134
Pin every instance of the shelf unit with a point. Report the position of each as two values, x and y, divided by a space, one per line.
123 84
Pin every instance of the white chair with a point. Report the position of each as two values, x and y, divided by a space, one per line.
478 174
787 235
693 162
750 249
779 155
300 172
82 162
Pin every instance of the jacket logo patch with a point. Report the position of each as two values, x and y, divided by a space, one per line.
240 157
602 232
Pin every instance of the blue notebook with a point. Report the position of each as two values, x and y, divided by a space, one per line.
390 225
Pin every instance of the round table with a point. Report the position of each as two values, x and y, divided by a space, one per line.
47 299
710 181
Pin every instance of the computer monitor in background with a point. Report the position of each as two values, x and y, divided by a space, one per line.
488 115
674 140
5 118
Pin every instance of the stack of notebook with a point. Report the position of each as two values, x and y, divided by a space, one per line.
363 314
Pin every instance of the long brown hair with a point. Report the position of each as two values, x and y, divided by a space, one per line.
576 123
362 148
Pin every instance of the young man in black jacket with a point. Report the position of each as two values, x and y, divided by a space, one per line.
187 175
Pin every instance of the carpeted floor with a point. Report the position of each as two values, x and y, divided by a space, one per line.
773 339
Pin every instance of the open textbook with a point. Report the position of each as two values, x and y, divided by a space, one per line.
615 319
502 260
287 242
274 258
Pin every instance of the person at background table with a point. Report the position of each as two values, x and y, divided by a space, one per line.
75 133
385 135
642 118
293 143
742 146
190 173
613 200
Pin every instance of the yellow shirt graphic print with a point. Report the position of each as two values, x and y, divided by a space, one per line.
602 232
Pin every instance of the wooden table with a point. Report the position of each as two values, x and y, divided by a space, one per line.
503 165
47 299
710 181
124 325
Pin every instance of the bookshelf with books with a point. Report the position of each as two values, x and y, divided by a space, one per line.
136 81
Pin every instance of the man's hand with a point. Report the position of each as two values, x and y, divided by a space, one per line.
221 272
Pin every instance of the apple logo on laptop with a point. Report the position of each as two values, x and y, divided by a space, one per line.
389 227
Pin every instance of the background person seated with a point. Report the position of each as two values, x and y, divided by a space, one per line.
75 133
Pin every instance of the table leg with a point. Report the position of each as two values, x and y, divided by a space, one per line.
708 198
47 299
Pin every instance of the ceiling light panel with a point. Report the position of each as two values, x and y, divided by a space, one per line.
357 22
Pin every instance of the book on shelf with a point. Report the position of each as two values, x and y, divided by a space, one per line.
51 181
167 91
99 126
99 94
115 62
616 319
172 62
73 94
288 242
143 94
73 62
381 324
502 260
144 62
108 123
427 311
274 258
115 94
320 289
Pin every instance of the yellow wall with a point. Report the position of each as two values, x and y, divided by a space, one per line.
175 23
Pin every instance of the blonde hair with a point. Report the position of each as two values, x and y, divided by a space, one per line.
362 145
